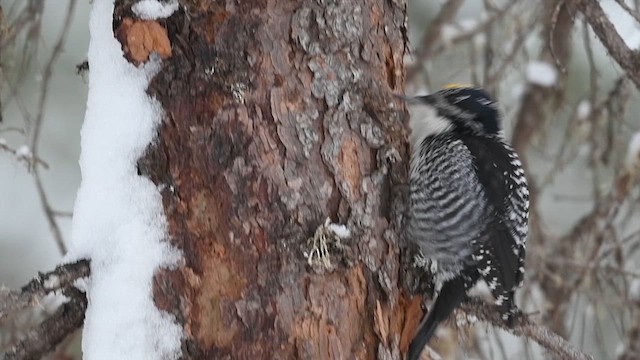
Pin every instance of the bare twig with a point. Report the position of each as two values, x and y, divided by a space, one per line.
27 158
49 213
553 23
632 348
525 327
523 33
28 20
36 127
612 41
30 15
629 10
46 336
34 131
65 214
481 27
432 35
62 277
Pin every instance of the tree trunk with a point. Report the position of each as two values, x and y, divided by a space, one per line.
279 115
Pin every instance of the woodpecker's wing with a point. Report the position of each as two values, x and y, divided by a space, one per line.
500 172
448 205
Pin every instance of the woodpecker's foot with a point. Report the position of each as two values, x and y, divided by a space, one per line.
513 317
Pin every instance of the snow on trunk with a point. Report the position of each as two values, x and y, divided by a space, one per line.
118 218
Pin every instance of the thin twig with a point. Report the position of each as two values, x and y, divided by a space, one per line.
28 159
34 133
31 13
629 10
49 213
520 40
36 127
432 35
45 337
553 23
481 27
609 37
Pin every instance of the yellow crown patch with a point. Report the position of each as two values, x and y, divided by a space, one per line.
457 86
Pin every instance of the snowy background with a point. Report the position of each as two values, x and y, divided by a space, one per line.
26 242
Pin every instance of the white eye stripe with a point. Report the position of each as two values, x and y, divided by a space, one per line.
461 98
451 91
485 101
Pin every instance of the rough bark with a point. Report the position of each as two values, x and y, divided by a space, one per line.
279 115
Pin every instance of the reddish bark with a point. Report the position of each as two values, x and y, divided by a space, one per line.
278 115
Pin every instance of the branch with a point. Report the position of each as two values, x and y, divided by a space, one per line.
432 35
62 278
629 10
68 317
46 336
47 73
632 347
525 327
35 129
609 37
432 44
49 212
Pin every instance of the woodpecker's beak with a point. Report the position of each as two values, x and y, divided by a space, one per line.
416 100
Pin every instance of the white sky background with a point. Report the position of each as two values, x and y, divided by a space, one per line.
26 244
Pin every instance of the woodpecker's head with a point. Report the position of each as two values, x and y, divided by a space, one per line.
457 108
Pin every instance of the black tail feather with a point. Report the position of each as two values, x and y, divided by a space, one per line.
451 295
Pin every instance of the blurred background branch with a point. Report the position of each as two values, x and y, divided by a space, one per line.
41 107
525 327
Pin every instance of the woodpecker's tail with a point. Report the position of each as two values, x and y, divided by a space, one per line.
451 295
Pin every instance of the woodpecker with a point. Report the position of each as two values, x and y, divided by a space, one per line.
468 204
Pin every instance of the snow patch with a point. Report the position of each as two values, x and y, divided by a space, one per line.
154 9
449 32
634 290
82 284
518 90
541 73
339 230
52 301
583 110
327 236
23 152
118 220
52 282
633 154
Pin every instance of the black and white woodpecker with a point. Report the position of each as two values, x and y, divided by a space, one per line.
469 202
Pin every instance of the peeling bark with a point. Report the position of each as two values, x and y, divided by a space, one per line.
279 115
